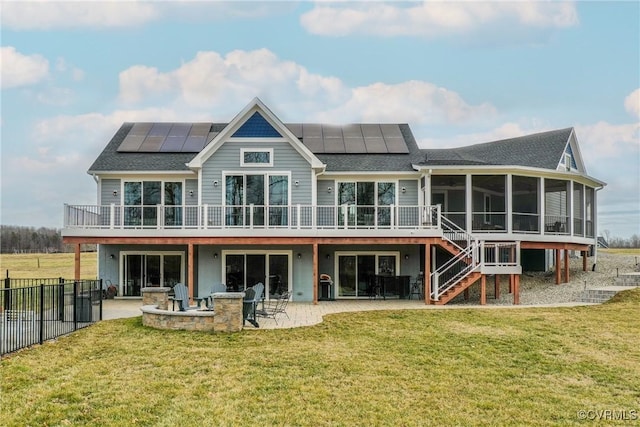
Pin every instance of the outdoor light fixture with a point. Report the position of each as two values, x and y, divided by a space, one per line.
406 256
190 193
215 183
329 189
296 182
112 256
404 189
299 255
215 255
115 193
327 256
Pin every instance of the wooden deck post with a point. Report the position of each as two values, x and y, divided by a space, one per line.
76 270
558 267
316 283
427 274
483 290
496 284
516 289
566 266
466 294
191 271
584 260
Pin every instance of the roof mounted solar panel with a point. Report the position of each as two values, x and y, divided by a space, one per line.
332 139
135 137
312 137
295 128
393 138
152 144
197 138
373 139
353 139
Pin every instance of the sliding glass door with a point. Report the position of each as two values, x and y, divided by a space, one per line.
244 270
357 272
150 269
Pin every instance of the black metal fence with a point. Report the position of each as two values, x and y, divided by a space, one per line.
33 314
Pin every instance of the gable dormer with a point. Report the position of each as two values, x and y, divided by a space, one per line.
571 160
255 122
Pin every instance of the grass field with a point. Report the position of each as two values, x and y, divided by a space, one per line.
41 266
536 366
626 251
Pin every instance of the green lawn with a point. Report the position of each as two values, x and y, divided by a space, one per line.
429 367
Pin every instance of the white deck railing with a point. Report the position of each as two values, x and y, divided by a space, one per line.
250 217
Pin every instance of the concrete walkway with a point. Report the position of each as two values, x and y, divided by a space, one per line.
306 314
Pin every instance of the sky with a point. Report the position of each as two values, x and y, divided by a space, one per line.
459 73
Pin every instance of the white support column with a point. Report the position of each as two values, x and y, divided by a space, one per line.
469 203
427 189
541 220
112 214
570 208
509 203
584 210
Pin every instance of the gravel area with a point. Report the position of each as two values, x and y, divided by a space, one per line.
539 288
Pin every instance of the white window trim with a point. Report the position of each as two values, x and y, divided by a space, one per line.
567 161
256 150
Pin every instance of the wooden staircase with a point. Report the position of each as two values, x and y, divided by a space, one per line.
457 289
471 260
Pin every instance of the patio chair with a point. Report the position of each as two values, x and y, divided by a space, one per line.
249 307
181 295
417 287
274 307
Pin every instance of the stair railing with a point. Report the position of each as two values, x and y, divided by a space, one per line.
461 265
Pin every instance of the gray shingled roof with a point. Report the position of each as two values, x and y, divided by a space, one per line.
542 150
112 160
539 150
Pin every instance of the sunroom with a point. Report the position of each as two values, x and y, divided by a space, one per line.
515 203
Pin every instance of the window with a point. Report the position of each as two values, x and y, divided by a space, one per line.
269 195
567 162
256 157
364 202
141 200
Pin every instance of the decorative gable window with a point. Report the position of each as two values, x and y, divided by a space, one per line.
252 157
567 161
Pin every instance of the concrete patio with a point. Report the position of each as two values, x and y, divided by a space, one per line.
306 314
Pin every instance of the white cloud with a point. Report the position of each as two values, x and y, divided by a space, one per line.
44 15
98 14
632 103
605 140
210 80
21 70
413 102
434 18
63 66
